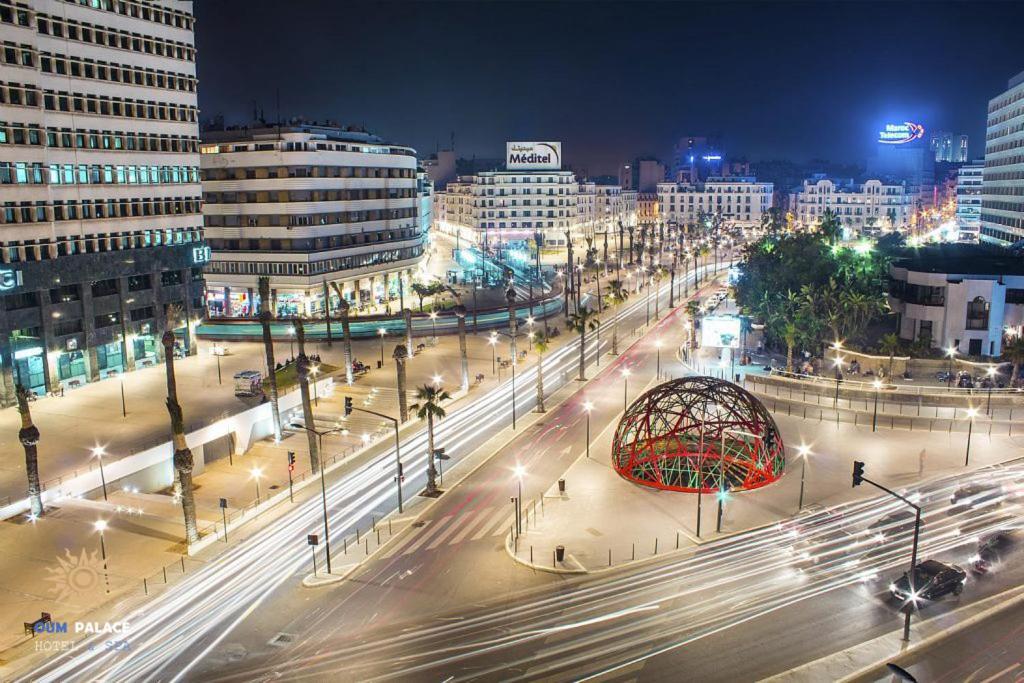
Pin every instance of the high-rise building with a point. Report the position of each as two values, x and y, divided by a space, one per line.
100 229
902 155
949 148
1002 193
696 158
309 205
968 198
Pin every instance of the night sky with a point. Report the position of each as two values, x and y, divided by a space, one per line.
614 80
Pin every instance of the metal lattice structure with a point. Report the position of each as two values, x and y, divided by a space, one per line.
698 433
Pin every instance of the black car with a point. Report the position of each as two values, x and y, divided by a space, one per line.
932 580
993 547
895 523
976 494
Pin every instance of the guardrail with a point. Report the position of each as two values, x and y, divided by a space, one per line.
892 386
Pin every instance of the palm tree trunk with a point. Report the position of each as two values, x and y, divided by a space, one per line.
583 345
302 371
460 314
431 472
403 401
615 334
266 315
327 313
1015 375
540 382
407 315
789 357
346 333
183 460
29 437
891 355
510 295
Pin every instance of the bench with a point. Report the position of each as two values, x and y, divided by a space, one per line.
31 626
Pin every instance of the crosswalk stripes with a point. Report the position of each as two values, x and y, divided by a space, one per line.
454 529
425 536
480 517
453 526
395 548
503 520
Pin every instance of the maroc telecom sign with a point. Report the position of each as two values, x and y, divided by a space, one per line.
533 156
900 133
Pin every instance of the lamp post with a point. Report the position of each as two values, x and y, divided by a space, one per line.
519 471
971 414
657 345
99 452
291 342
722 488
951 353
101 526
380 331
433 325
216 354
256 473
803 451
493 341
625 388
991 372
837 364
323 483
587 407
874 416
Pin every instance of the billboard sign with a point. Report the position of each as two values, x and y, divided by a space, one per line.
720 331
533 156
900 133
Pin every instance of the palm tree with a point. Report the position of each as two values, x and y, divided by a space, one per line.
28 435
346 331
889 345
460 314
656 277
407 315
400 354
830 227
616 297
790 335
692 309
183 460
421 291
429 408
540 345
1013 350
302 371
510 296
581 321
266 315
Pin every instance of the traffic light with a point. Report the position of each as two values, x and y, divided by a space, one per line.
858 472
291 461
401 472
348 406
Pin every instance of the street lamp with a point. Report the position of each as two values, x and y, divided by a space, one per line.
625 388
874 417
588 406
837 364
99 452
101 525
256 473
971 414
493 341
433 325
657 345
802 451
380 331
436 379
951 353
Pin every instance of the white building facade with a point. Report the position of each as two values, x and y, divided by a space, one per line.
740 200
861 207
968 199
310 206
1002 199
100 227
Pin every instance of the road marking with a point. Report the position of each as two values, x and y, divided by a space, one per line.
498 517
470 525
392 549
1001 673
426 536
452 527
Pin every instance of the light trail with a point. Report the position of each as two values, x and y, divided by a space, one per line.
205 606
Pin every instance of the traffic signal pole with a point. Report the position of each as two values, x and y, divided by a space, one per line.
398 447
858 478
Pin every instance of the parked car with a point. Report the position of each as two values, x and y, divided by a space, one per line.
932 580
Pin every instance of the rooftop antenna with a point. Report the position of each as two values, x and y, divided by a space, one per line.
277 94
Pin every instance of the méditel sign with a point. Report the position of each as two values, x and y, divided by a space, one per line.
533 156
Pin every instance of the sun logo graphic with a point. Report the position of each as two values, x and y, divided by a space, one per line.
75 574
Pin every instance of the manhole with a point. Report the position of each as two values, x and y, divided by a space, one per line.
418 524
274 487
282 639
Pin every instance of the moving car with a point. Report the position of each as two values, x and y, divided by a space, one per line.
932 580
895 523
994 547
976 494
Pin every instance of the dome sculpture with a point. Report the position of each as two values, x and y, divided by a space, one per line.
698 433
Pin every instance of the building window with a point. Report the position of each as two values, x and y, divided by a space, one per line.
977 314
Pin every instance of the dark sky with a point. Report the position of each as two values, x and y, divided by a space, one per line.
614 80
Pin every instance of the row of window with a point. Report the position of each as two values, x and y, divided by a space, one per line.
1010 144
291 146
88 209
311 244
1005 175
1017 223
1011 190
262 172
332 265
66 138
115 38
75 67
307 195
45 250
23 173
1001 235
334 218
1017 207
71 293
147 11
103 105
995 162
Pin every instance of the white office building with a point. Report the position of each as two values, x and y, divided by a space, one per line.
740 200
309 205
1002 198
862 208
958 295
968 199
100 224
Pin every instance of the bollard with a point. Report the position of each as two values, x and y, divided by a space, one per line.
145 586
677 540
165 573
561 485
609 557
373 523
531 554
634 551
655 545
560 553
345 541
357 534
553 556
367 546
389 527
182 564
378 536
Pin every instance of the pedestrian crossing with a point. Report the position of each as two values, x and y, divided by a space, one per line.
454 529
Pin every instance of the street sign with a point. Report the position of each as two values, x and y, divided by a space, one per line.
223 503
313 539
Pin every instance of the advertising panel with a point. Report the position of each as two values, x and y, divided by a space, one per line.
533 156
720 331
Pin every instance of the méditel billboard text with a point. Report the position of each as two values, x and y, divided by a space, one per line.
533 156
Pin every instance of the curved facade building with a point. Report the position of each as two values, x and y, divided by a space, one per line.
308 205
